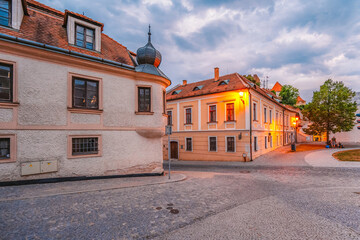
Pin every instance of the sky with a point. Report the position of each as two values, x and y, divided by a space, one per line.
301 43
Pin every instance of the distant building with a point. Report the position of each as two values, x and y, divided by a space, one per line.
277 89
225 118
73 101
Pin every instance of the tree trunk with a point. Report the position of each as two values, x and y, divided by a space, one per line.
327 136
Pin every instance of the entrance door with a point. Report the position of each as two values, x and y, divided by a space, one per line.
174 150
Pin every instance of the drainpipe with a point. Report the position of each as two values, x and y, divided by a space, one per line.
250 104
283 125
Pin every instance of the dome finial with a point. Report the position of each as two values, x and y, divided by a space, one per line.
149 33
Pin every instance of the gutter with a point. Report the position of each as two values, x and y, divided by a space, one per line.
50 48
283 125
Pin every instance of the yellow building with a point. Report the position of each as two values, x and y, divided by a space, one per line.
227 118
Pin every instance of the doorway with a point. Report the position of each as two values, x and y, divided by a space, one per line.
174 149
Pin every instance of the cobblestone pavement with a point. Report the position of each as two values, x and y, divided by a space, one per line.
253 202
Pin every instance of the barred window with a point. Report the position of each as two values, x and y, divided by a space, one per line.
230 144
85 93
188 144
4 148
85 146
6 83
212 144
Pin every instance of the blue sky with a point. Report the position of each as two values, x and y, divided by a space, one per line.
301 43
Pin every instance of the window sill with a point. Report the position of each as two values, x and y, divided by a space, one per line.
185 124
9 104
84 156
7 160
212 122
83 48
233 121
144 113
83 110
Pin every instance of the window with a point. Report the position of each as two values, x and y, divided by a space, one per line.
188 142
198 88
225 82
4 148
277 140
212 144
271 141
169 119
6 83
188 115
270 115
85 93
176 92
212 113
230 112
84 37
277 118
265 116
255 112
5 13
85 146
230 144
164 102
266 140
144 99
255 144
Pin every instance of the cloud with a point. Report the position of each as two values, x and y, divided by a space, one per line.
296 42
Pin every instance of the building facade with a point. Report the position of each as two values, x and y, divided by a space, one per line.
226 118
74 102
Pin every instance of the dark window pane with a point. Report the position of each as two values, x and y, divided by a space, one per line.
79 36
89 46
230 112
4 13
6 83
212 144
79 29
230 144
188 144
5 94
4 148
144 101
85 94
169 113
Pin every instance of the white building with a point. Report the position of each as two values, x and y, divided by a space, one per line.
74 102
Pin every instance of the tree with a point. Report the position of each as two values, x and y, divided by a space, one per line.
251 78
331 110
289 95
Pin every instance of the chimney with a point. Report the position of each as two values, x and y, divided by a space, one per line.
257 79
216 74
184 82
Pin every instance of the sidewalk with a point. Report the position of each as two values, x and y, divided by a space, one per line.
11 193
324 158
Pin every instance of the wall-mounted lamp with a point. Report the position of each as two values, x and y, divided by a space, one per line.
240 136
241 94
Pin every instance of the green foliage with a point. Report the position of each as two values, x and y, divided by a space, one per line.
273 91
288 95
251 78
331 110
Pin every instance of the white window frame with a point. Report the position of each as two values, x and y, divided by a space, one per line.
209 143
216 111
226 149
192 144
226 111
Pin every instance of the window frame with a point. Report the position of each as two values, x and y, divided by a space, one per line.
186 144
138 99
11 84
10 14
255 142
169 116
69 150
86 98
270 115
13 148
209 144
233 112
255 117
164 102
84 33
266 141
212 111
226 144
265 114
186 114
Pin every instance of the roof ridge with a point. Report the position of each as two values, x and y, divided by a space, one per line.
44 7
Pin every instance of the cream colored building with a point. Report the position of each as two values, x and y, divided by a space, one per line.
226 118
74 102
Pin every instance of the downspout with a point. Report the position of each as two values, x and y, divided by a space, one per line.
283 125
250 104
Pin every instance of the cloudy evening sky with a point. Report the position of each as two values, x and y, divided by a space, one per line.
301 43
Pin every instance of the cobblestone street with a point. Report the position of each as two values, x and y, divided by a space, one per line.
245 202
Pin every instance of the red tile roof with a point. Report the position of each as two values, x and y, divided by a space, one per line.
299 99
277 87
209 86
45 25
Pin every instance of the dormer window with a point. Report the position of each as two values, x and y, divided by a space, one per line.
176 92
225 82
5 13
198 88
84 37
